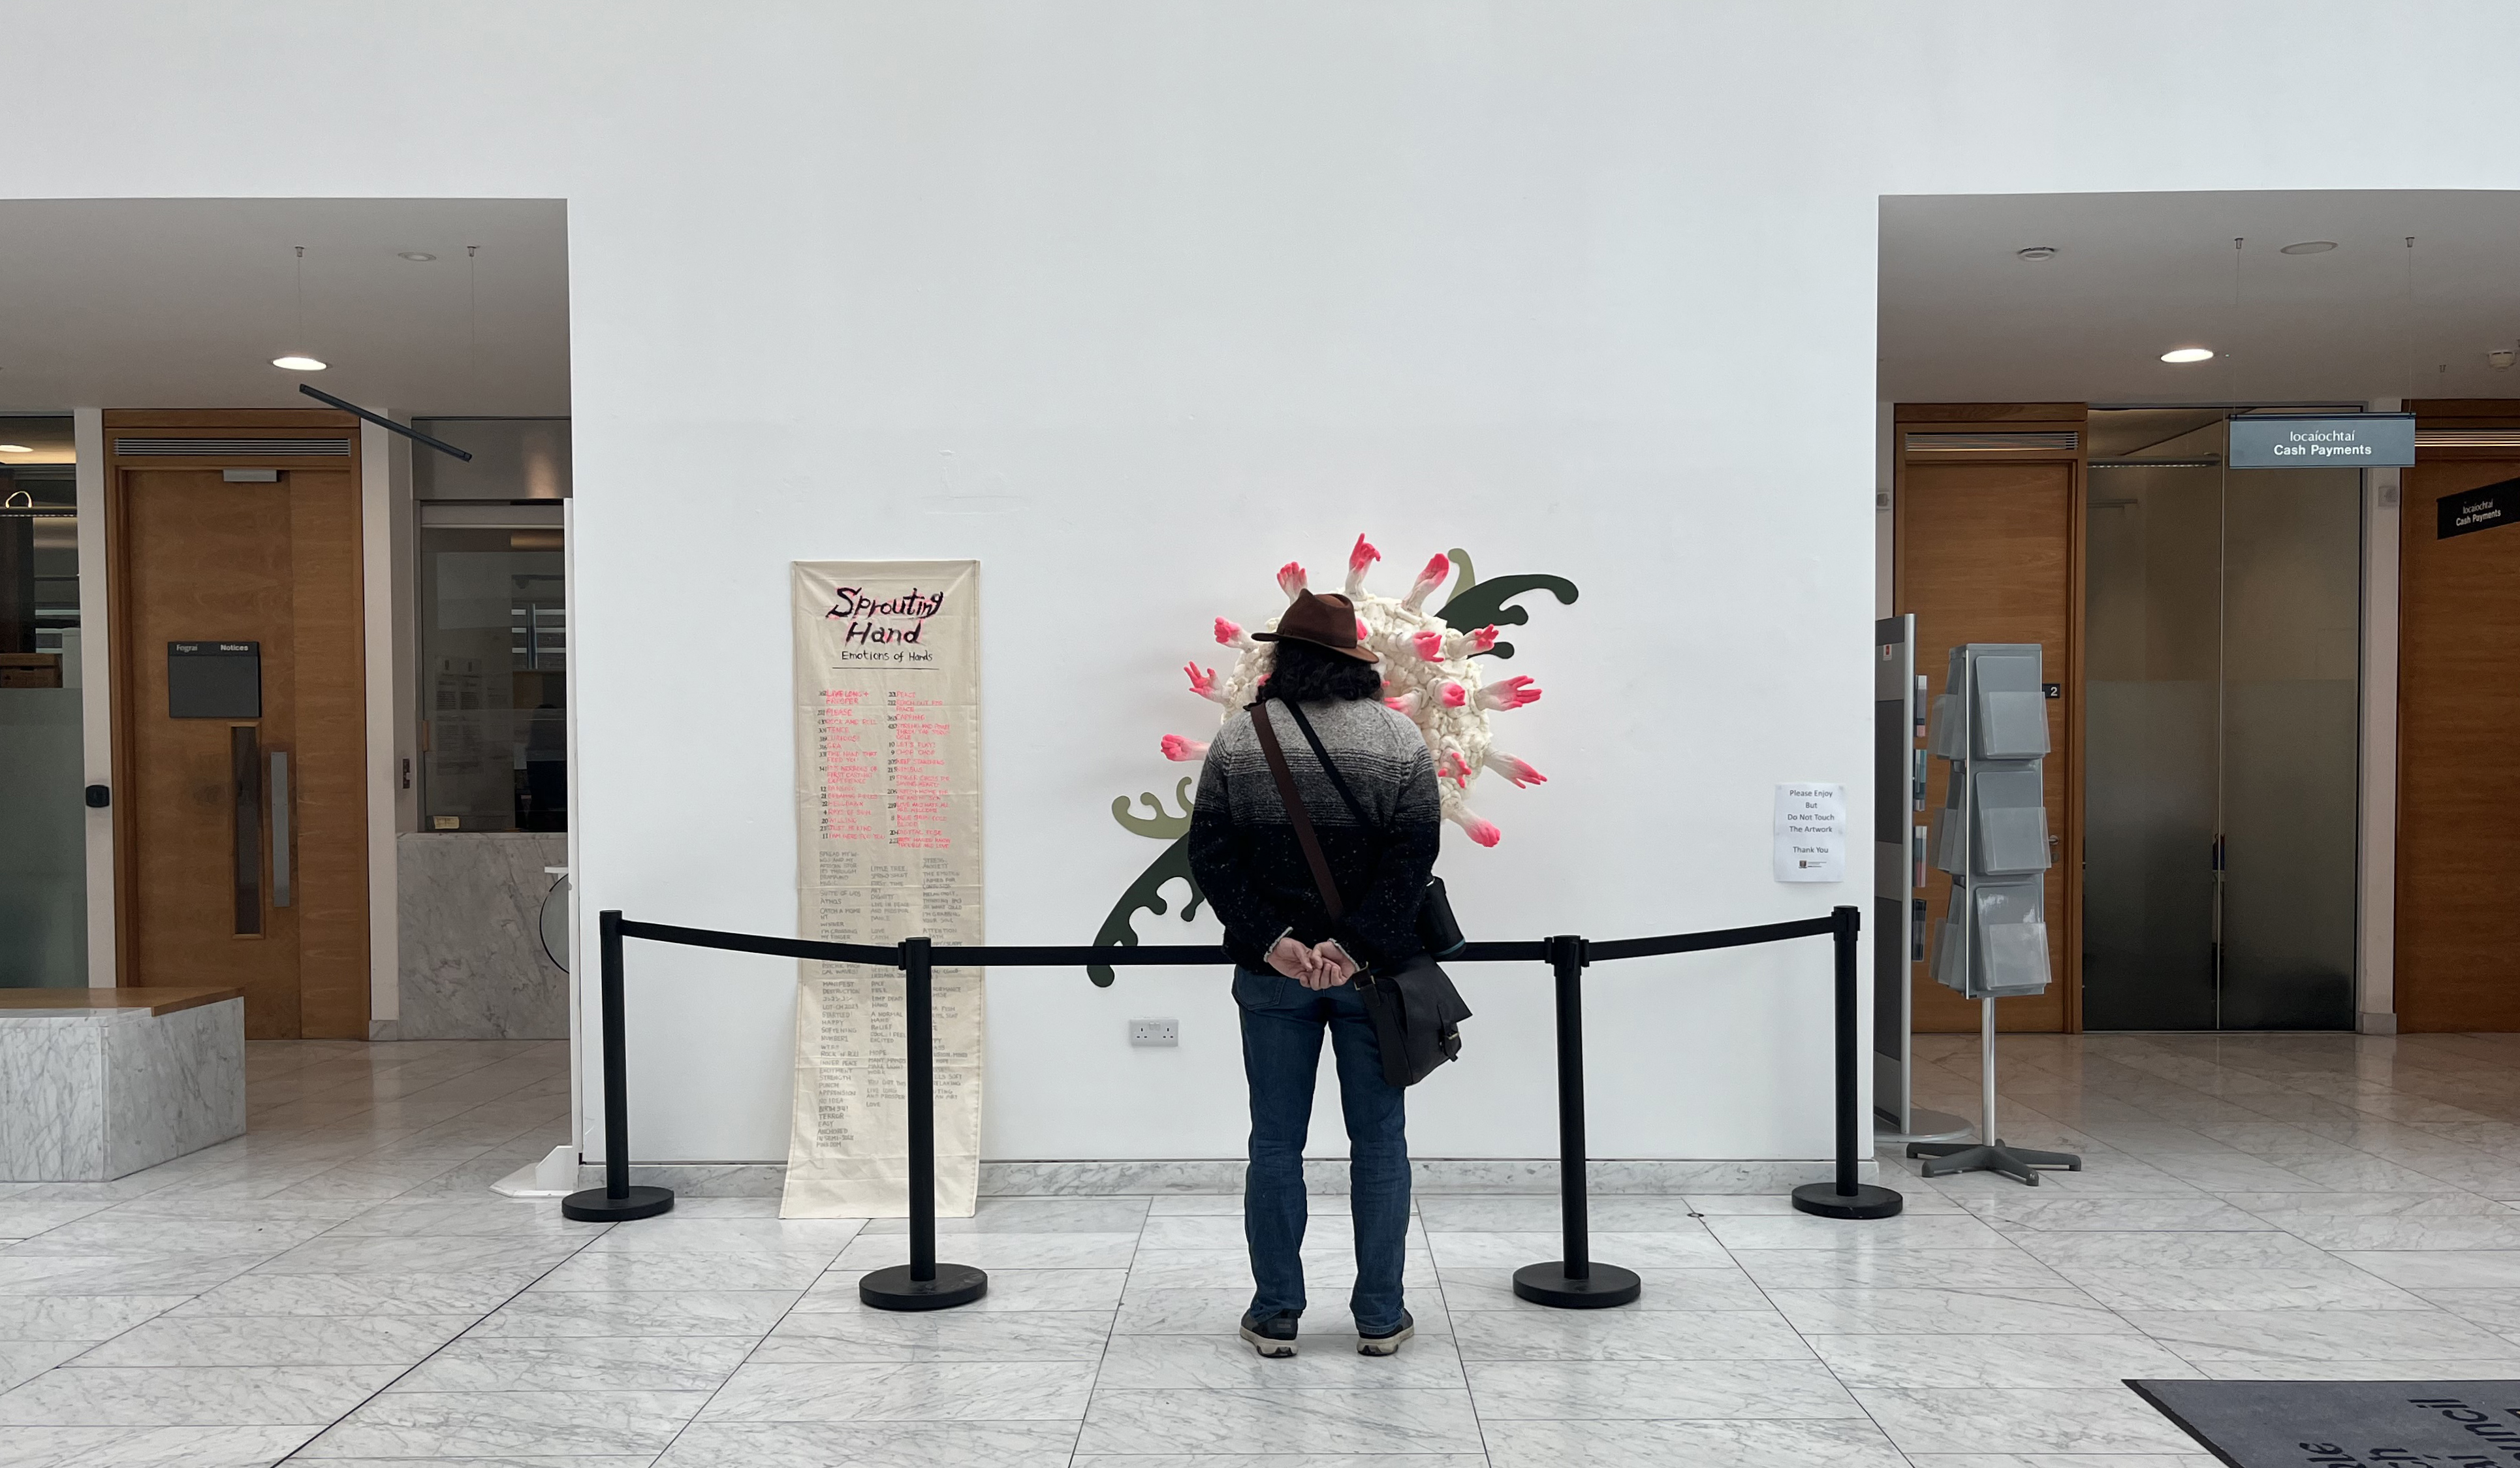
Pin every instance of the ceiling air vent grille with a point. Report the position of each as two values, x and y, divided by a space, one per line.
232 448
2467 438
2060 440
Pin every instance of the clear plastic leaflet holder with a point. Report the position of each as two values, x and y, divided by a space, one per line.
1991 836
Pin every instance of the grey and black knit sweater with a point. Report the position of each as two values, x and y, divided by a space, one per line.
1244 848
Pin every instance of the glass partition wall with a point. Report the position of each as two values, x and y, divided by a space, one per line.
43 827
2222 668
493 647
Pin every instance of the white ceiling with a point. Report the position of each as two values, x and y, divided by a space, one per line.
183 303
1964 320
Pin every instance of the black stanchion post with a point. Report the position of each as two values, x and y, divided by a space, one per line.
922 1284
1846 1198
616 1201
1573 1282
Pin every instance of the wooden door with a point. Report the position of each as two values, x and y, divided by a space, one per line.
2458 704
1988 548
234 868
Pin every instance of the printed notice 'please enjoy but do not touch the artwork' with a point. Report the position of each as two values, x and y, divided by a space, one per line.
888 848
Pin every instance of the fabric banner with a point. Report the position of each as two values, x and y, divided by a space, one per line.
888 848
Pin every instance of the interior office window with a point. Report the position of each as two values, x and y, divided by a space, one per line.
43 826
493 668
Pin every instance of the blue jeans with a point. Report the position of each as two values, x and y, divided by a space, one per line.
1281 1054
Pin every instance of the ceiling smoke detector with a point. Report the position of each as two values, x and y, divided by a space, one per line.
2187 354
2311 246
2036 252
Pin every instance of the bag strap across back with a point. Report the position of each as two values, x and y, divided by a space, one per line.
1305 836
1337 780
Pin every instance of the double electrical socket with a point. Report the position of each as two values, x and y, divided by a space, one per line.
1155 1032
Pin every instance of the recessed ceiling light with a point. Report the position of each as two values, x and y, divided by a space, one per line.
2187 354
2037 253
296 363
414 255
2311 246
15 448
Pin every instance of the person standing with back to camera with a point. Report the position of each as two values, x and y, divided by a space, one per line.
1294 963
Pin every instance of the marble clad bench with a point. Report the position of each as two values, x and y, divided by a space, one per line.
99 1082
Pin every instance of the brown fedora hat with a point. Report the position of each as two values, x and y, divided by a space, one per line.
1324 621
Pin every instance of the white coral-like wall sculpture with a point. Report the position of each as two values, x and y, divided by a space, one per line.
1428 674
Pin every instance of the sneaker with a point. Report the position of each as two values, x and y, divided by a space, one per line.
1274 1337
1388 1343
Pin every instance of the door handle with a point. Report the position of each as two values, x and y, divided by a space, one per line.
279 828
244 770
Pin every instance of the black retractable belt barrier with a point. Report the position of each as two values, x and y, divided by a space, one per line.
1573 1282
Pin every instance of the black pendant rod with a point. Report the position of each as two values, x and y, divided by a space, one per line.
387 424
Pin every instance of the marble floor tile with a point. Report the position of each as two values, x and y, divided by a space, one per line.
646 1270
1678 1249
458 1254
2327 1285
1834 1268
1052 1216
1623 1335
823 1236
119 1274
2404 1231
873 1445
78 1317
1327 1358
2203 1336
2172 1213
1008 1290
998 1251
1491 1288
119 1233
2171 1249
2440 1269
1804 1231
875 1335
279 1341
20 1220
1597 1391
25 1361
2029 1421
235 1447
1279 1460
538 1314
508 1424
2503 1367
393 1293
2007 1361
2064 1461
913 1392
1742 1443
190 1395
455 1217
2277 1207
1211 1232
1299 1420
1947 1311
1544 1214
580 1364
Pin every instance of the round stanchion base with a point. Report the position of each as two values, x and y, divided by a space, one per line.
1605 1286
595 1205
894 1288
1866 1201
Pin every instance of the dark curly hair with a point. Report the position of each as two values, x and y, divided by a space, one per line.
1308 674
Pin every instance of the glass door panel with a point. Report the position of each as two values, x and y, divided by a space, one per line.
43 819
2291 582
2222 665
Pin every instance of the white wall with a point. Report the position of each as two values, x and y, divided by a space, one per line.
1183 290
